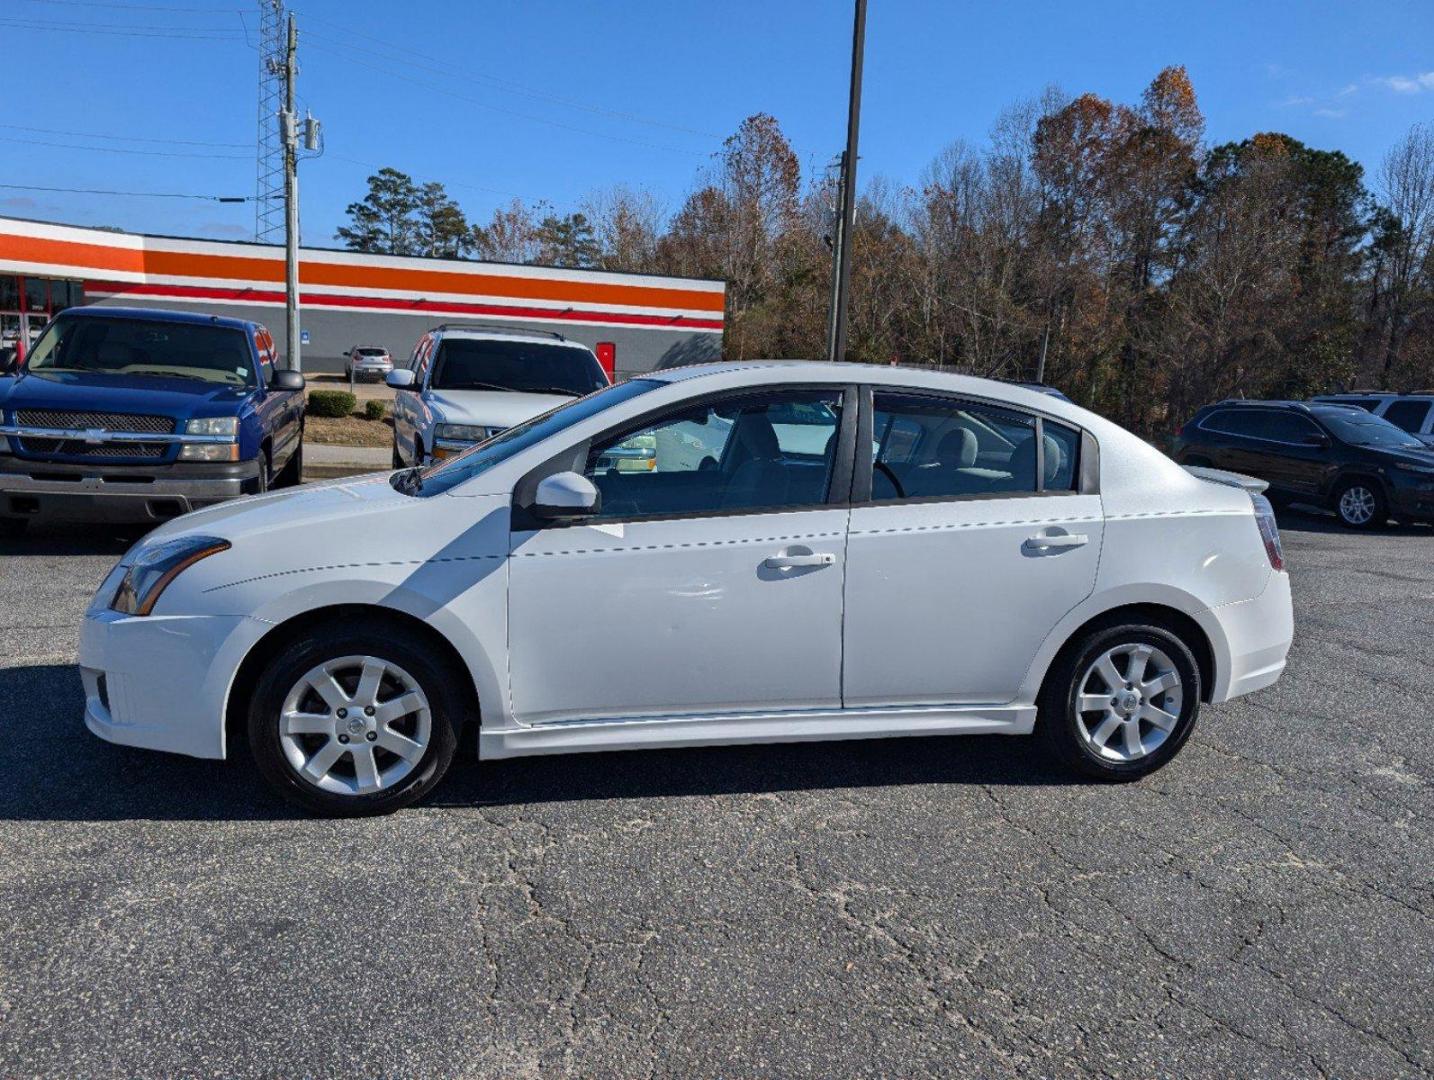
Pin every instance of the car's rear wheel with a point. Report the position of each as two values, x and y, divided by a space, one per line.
355 721
1359 504
1121 702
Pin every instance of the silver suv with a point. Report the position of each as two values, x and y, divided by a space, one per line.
1412 412
467 382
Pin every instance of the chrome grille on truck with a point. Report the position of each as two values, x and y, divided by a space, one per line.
58 419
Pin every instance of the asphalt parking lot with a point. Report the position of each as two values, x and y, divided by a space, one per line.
1262 907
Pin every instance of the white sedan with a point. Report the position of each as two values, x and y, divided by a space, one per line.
817 552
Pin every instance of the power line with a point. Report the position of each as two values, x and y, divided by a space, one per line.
122 138
131 7
454 71
127 194
197 33
121 149
512 113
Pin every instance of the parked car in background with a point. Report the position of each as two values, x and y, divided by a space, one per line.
367 362
121 414
1413 413
840 552
466 383
1341 456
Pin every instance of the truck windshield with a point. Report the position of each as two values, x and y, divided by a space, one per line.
446 475
523 366
143 347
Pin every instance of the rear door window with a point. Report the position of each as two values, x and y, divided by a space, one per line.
1409 415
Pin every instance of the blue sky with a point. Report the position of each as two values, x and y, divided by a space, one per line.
546 99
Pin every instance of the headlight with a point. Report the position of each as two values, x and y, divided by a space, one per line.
462 432
156 566
213 425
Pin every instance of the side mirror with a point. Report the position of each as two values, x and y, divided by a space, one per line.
8 364
400 380
284 379
566 496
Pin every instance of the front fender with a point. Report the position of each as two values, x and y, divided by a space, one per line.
474 621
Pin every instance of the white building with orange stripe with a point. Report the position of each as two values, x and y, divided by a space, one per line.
350 299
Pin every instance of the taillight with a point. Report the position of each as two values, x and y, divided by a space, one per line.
1269 530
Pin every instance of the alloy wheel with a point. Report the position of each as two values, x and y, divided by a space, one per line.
1357 505
355 725
1128 702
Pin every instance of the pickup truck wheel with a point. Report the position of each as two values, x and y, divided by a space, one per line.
261 482
293 473
355 719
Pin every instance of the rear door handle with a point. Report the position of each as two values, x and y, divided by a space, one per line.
1056 541
791 562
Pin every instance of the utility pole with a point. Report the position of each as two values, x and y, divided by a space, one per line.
290 127
846 204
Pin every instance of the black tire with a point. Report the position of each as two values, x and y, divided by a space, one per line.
13 528
260 484
292 474
359 637
1062 729
1347 497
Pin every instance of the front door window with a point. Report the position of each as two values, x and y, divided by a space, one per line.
771 451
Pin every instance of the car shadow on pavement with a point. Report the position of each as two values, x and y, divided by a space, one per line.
1309 519
53 769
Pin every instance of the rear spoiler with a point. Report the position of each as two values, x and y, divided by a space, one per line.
1229 479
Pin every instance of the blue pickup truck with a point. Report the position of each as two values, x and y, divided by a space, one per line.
129 415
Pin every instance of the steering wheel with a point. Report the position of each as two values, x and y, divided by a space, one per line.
886 471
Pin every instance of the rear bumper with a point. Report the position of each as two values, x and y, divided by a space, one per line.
117 493
1257 635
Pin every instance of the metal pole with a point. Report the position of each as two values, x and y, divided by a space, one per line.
841 254
291 200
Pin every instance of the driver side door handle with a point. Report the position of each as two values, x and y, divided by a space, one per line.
1055 541
795 559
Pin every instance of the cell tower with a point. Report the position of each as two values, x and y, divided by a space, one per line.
269 185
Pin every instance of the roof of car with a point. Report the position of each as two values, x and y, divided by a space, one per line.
190 318
877 374
503 333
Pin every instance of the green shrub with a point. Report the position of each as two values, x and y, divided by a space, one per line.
331 403
374 410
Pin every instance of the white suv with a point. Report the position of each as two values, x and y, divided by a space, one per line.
466 383
1412 412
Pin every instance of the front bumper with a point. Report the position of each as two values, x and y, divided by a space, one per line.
1411 496
160 682
117 493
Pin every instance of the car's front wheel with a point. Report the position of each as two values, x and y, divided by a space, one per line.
355 720
1359 504
1121 702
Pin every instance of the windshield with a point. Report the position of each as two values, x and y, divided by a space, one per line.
143 347
448 474
529 367
1360 428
